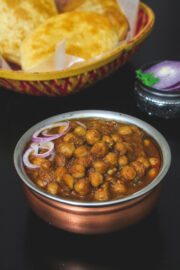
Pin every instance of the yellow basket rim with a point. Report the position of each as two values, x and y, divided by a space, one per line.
112 55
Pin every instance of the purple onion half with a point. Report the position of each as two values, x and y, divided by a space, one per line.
168 73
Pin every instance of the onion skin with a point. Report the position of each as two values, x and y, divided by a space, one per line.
37 139
26 161
174 87
81 124
47 137
49 146
168 73
51 158
43 143
34 147
60 124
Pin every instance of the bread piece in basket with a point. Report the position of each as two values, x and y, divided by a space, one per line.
17 19
87 35
108 8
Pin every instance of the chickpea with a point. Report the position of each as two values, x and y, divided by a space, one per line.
81 151
124 130
129 147
61 129
95 178
67 149
42 162
99 149
93 136
82 187
58 142
144 161
136 130
46 174
112 171
108 140
34 173
77 171
100 166
70 137
73 124
69 180
84 161
80 131
41 183
142 154
118 174
128 173
116 138
53 188
60 172
118 187
121 148
102 193
122 161
154 161
110 178
139 167
152 173
60 160
137 139
111 158
147 142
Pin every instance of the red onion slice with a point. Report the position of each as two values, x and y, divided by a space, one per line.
168 73
173 87
52 156
26 161
60 124
47 145
81 124
48 137
37 139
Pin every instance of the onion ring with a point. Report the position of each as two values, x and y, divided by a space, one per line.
81 124
47 145
49 137
51 158
26 161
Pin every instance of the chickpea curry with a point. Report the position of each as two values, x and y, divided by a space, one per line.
91 159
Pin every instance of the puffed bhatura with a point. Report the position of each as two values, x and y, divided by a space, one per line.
18 18
87 35
108 8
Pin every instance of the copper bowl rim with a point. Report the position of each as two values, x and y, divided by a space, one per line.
109 115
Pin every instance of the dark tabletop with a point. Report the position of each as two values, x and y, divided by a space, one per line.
28 243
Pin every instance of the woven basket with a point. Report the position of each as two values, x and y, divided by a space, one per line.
61 83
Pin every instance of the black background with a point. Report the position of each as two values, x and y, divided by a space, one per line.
28 243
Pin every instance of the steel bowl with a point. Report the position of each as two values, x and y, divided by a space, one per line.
93 217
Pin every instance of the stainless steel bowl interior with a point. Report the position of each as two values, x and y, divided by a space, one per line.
158 137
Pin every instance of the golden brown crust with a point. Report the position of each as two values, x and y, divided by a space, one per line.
18 18
108 8
87 35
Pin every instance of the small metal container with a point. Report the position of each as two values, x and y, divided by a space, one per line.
93 217
164 104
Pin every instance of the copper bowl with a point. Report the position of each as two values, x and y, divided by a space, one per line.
93 217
